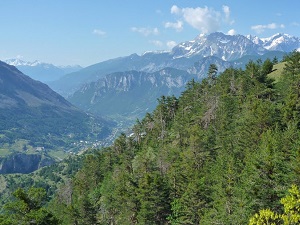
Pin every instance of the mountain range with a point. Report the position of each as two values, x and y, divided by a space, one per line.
96 88
227 48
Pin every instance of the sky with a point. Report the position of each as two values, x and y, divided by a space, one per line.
85 32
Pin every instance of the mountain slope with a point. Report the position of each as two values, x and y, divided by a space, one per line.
31 111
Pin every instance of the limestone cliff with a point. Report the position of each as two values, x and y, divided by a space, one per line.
23 163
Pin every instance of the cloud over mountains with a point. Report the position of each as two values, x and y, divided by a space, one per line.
206 20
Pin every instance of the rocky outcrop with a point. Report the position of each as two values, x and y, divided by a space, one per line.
23 163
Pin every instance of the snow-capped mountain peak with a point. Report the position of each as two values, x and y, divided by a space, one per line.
20 62
226 47
254 39
277 42
277 36
231 47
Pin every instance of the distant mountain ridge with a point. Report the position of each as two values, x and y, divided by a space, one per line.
41 71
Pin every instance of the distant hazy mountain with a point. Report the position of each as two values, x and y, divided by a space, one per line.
40 71
148 62
31 111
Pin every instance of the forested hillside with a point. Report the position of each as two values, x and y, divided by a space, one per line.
227 148
34 116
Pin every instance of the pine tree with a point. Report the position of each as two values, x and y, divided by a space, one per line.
28 208
153 195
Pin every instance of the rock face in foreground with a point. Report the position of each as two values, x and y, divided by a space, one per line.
23 163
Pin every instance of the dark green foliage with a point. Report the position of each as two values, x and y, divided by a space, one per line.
152 193
28 208
212 72
292 66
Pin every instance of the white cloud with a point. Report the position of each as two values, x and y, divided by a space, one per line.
99 32
178 26
145 31
231 32
175 9
295 24
226 11
171 44
204 19
262 28
157 43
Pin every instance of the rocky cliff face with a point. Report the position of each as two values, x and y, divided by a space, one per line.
23 163
130 93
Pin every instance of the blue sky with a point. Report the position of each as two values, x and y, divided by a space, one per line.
85 32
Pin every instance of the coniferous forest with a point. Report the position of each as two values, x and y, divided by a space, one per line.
227 151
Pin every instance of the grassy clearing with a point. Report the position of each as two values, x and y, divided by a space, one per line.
58 155
4 152
277 71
